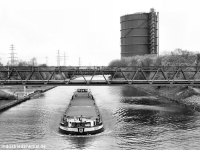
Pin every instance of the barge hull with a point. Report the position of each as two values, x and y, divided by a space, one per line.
75 131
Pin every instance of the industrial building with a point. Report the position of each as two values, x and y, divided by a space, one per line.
139 34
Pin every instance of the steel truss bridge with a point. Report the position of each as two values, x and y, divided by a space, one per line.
76 76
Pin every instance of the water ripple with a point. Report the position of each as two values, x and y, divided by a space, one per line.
132 120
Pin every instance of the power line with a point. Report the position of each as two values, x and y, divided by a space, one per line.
12 55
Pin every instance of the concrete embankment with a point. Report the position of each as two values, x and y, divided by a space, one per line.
19 99
39 92
182 95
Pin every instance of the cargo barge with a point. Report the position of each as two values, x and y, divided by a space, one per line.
82 115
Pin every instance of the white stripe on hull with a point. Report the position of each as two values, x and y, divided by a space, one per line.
85 129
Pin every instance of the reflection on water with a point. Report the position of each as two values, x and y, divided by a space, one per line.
132 119
127 92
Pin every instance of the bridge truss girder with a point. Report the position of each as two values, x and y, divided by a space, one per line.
65 76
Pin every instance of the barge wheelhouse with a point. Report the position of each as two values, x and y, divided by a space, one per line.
82 115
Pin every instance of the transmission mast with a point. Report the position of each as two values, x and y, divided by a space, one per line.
58 59
46 60
65 57
79 61
12 55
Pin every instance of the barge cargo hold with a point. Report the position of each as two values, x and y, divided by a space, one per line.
82 116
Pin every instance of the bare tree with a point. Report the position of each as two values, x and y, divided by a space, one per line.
198 59
33 61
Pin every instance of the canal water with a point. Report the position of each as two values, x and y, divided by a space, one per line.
131 121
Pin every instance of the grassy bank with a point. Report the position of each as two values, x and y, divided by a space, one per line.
6 96
185 96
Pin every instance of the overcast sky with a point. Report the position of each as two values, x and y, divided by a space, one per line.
89 29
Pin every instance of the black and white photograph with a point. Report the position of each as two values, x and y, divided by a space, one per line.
99 75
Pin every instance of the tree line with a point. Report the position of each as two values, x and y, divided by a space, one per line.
31 62
178 57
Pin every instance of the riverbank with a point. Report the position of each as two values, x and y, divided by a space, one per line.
11 96
182 95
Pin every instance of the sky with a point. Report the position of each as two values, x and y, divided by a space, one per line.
89 29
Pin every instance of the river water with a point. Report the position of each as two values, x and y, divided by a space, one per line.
131 121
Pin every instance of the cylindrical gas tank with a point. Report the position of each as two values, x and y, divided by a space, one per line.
138 32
